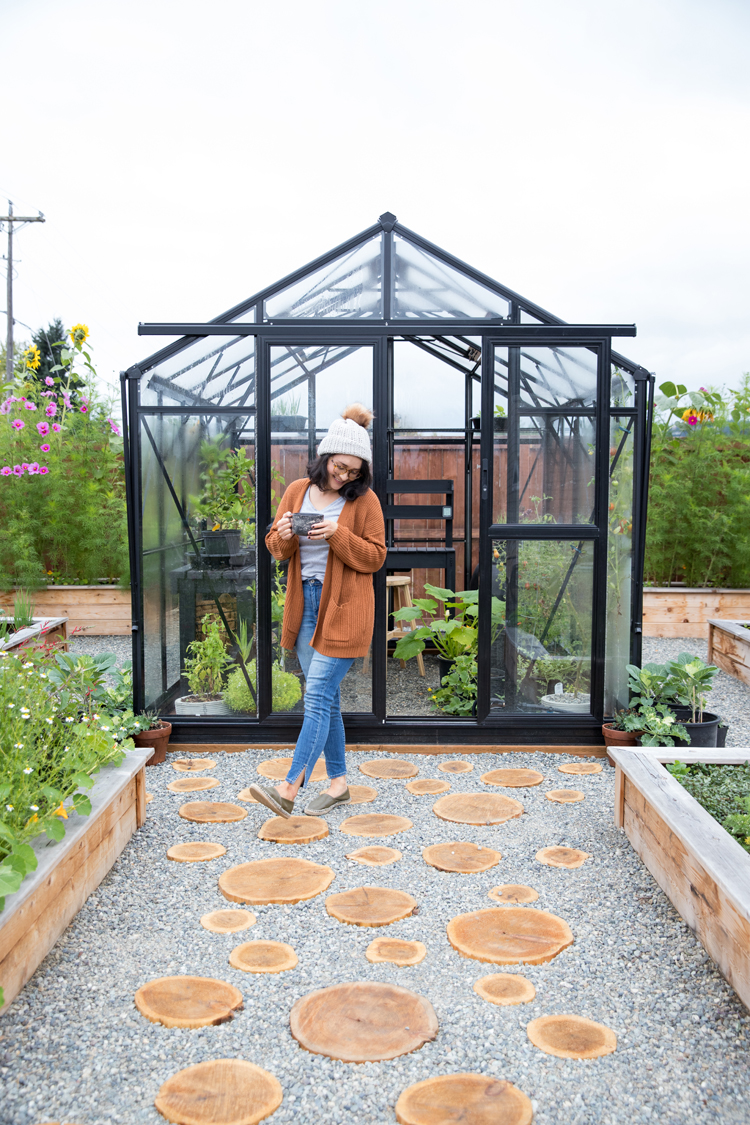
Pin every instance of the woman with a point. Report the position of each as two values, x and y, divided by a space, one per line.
330 606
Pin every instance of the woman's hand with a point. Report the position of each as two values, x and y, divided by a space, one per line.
323 530
284 526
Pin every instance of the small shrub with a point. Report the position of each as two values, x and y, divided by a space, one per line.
285 687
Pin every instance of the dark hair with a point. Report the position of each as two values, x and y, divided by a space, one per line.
317 471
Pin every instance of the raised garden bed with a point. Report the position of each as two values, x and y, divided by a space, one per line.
674 611
703 871
50 897
729 647
43 629
95 609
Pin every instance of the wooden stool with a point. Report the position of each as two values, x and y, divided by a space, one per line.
401 586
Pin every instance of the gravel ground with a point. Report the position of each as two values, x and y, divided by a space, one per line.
74 1048
730 698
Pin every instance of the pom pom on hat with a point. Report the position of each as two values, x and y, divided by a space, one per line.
348 434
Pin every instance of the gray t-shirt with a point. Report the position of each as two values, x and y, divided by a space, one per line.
313 553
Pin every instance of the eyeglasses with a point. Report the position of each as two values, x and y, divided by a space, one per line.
344 470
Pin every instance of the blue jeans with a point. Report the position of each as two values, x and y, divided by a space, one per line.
322 728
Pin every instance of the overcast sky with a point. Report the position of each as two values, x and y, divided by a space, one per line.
592 155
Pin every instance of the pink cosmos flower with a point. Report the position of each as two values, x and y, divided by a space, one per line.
30 405
24 464
47 394
5 407
44 448
50 381
18 470
66 400
84 409
6 471
115 429
51 410
33 467
43 470
17 424
42 428
692 420
56 427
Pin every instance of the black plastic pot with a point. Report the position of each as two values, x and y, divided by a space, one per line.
223 542
721 734
288 423
444 667
705 733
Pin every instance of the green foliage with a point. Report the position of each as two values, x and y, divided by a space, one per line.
685 680
205 668
286 407
49 753
458 694
62 488
699 495
221 501
657 726
285 687
51 342
23 610
721 790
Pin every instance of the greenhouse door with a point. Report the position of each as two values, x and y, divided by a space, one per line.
543 533
302 388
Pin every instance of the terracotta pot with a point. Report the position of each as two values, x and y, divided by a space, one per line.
159 739
614 737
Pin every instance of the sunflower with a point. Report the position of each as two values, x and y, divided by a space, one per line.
33 357
79 333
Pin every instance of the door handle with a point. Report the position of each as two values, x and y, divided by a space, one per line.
485 479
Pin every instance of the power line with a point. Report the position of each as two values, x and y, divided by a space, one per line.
10 219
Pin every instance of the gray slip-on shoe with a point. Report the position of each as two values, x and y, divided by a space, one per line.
269 796
325 803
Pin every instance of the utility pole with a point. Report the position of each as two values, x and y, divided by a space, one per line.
10 219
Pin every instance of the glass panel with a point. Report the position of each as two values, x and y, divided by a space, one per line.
317 382
619 563
541 647
184 578
410 683
428 394
551 477
426 288
549 377
528 318
349 287
214 371
623 388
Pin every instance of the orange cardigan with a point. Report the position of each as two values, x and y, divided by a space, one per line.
347 603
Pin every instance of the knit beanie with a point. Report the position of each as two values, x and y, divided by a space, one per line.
348 434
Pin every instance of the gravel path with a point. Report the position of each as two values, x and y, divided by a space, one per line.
73 1047
730 698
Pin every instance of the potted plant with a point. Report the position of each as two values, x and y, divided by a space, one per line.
624 728
149 730
681 685
204 672
659 726
499 421
226 505
285 417
285 687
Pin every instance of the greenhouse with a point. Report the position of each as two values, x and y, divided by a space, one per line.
510 455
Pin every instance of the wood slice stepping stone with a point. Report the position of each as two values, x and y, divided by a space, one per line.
512 936
505 988
211 812
277 768
375 824
192 784
294 830
472 1099
477 808
427 785
219 1092
361 794
195 852
149 798
580 767
395 951
571 1037
263 957
187 1001
389 768
513 779
364 1021
371 906
455 766
513 893
246 795
192 765
283 880
377 855
565 796
562 857
461 857
228 921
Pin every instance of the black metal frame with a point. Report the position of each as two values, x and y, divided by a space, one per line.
454 341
